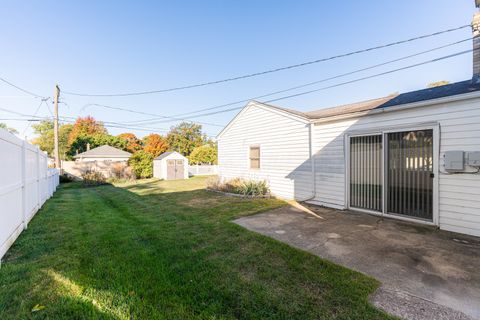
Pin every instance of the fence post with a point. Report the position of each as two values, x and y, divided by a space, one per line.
24 186
39 194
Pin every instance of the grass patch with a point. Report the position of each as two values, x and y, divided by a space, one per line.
167 250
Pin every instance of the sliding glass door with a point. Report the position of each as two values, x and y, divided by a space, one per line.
403 162
410 174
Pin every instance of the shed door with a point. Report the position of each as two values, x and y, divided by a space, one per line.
179 169
170 169
175 169
410 174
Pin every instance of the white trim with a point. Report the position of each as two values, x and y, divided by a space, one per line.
458 97
249 166
266 107
325 204
393 216
435 157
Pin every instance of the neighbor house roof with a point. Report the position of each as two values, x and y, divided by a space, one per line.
389 101
104 152
166 154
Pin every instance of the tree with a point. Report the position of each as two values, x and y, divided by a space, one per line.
206 154
155 144
87 126
142 164
133 143
9 129
44 139
185 137
81 142
438 84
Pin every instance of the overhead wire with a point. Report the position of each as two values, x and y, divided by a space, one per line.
152 120
229 79
145 113
21 89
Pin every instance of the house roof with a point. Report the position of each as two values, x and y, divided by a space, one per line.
166 154
396 99
104 152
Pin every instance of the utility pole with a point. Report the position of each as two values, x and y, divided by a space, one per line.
56 150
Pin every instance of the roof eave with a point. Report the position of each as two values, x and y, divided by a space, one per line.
425 103
271 108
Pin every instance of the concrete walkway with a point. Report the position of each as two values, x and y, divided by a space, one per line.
425 273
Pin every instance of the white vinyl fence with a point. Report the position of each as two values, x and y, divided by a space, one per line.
26 183
202 170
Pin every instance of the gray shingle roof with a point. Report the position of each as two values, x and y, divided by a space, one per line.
391 100
104 152
166 154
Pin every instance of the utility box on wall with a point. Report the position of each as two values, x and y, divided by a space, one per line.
454 161
473 159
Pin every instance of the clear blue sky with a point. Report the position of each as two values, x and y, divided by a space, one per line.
123 46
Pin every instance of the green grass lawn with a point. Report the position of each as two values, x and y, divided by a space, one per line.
167 250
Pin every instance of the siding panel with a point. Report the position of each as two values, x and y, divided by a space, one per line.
459 203
284 152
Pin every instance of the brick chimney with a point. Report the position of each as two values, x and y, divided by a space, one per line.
476 46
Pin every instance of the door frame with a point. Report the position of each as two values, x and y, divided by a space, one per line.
384 131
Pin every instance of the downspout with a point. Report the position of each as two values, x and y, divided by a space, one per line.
312 161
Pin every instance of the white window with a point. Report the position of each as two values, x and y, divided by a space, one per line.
254 156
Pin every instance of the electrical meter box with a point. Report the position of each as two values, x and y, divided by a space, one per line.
473 159
454 161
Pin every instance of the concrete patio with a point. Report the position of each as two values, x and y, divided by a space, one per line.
425 273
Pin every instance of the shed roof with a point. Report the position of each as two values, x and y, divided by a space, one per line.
104 152
166 154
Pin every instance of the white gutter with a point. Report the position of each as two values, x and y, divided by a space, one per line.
458 97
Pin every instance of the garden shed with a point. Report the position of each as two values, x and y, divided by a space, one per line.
170 166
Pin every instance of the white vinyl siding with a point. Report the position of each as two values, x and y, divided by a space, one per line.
459 200
284 151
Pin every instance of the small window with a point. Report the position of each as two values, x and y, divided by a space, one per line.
255 157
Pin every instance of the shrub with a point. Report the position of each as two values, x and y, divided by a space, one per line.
203 155
65 178
120 171
142 164
93 178
253 188
239 186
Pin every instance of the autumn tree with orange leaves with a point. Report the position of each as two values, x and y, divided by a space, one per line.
86 126
155 144
133 143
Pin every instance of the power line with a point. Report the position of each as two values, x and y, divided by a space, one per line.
21 89
266 71
151 121
372 76
343 83
146 113
64 119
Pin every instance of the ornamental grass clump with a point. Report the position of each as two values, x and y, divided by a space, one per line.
253 188
93 178
240 186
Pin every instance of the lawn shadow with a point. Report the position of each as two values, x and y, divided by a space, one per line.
154 249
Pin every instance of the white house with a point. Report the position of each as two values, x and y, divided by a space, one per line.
412 156
103 153
170 166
